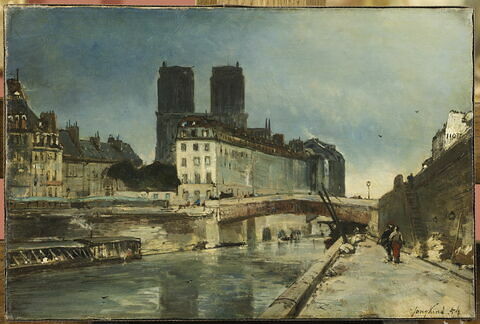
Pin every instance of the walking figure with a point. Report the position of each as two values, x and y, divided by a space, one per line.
385 241
396 240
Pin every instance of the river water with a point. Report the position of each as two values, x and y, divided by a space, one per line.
230 282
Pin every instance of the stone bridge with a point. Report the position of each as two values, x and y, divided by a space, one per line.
360 211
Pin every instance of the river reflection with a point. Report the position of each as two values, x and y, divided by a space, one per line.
233 282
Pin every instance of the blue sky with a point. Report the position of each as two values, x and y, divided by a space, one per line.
342 75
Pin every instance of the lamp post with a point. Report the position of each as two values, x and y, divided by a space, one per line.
368 188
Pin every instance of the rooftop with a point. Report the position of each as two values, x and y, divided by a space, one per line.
242 137
88 150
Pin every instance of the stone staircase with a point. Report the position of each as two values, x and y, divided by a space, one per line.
419 228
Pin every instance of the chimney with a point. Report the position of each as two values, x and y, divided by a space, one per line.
49 121
74 133
115 142
95 140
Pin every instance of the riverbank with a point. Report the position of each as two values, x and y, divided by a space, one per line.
363 285
293 299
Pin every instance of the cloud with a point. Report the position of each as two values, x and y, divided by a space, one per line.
325 78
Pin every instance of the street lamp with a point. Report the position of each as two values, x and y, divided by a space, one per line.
368 188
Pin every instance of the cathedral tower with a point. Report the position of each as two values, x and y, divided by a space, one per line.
227 95
175 100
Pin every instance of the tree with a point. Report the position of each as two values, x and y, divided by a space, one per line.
153 177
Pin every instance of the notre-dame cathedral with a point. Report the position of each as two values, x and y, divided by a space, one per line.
176 101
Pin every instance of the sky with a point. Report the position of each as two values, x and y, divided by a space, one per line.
351 77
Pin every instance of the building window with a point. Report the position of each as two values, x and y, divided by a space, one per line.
184 162
207 160
194 133
197 178
205 133
207 147
196 161
167 196
55 176
183 147
183 134
184 178
209 177
195 146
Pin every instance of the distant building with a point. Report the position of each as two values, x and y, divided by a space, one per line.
86 163
214 159
458 124
217 154
264 133
175 88
296 145
435 204
328 167
176 101
34 159
227 95
44 161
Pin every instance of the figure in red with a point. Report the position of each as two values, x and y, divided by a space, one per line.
396 240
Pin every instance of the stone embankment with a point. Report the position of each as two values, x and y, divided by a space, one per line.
292 300
365 285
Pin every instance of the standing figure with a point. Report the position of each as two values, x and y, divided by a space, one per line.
396 240
385 241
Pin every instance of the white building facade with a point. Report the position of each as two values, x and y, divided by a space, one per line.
196 159
457 125
214 161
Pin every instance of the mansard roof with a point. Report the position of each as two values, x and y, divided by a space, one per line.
87 150
17 104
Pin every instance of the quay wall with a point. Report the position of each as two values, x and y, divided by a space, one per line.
232 221
445 202
159 233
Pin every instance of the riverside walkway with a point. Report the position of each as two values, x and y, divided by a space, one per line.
364 285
